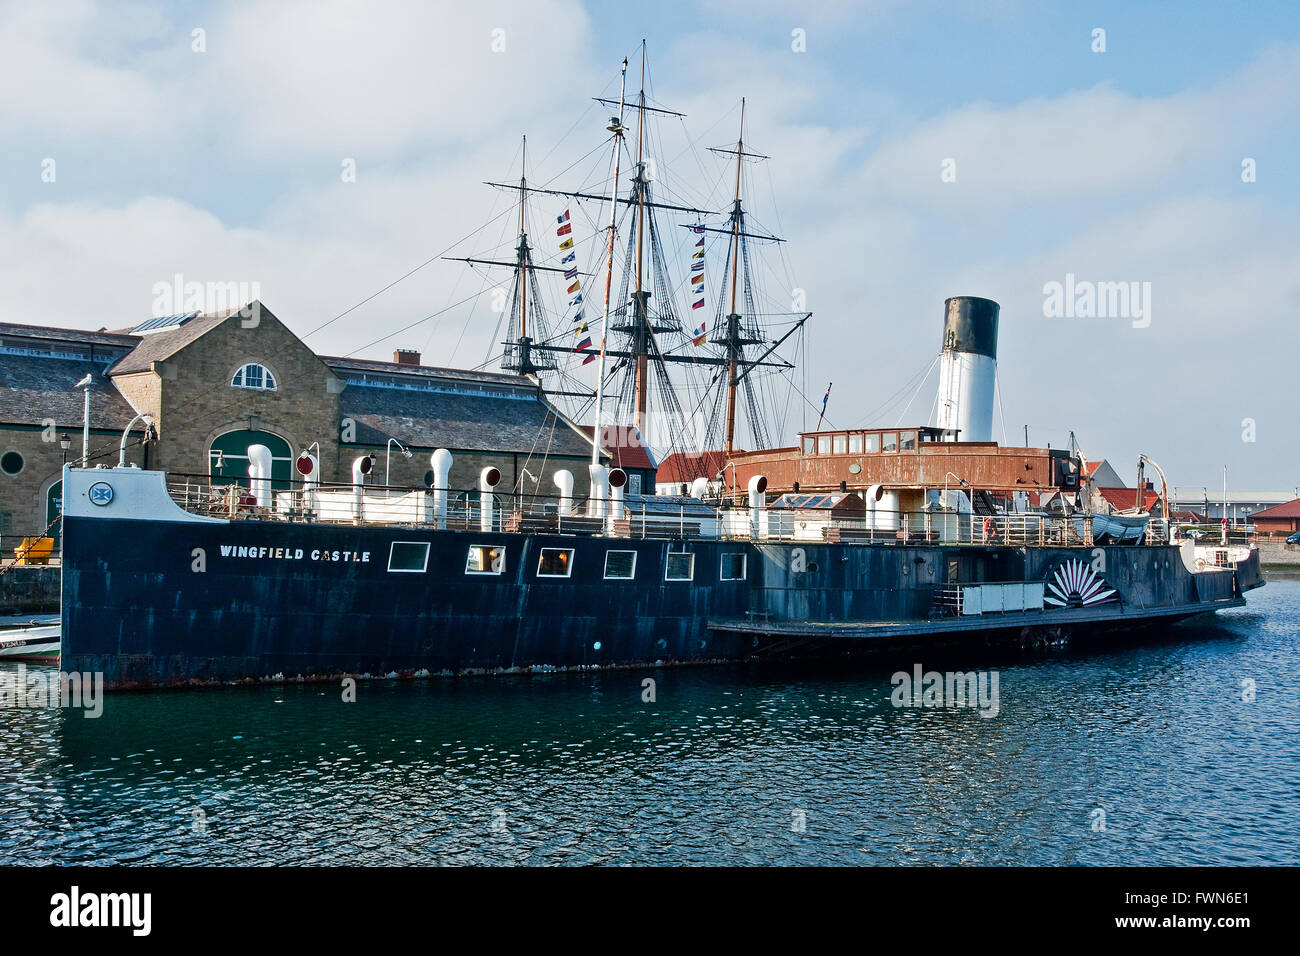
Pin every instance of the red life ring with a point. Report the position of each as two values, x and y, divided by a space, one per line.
989 530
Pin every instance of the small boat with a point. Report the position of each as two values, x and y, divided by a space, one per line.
1122 527
33 641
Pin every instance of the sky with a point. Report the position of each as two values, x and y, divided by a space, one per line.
919 150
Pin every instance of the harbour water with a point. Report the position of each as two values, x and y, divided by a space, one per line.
1177 745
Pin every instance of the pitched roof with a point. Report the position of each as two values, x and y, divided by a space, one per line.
625 446
461 418
49 332
686 466
1290 509
159 346
1123 498
35 389
344 364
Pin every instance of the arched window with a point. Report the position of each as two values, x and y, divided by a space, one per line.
253 375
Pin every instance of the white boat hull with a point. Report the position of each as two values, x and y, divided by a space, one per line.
39 642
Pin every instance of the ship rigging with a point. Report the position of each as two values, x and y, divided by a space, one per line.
684 378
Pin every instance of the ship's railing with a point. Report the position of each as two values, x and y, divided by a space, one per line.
642 516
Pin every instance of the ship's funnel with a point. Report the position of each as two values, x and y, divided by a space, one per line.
968 367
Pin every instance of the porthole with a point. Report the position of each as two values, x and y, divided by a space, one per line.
11 463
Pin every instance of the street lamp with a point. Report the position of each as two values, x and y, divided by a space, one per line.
964 483
406 453
85 424
65 442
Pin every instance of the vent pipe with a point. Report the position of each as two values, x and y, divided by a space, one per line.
699 488
259 474
564 484
488 479
757 503
308 466
617 484
441 462
599 490
361 466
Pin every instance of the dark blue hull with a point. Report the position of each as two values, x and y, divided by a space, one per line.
151 603
135 609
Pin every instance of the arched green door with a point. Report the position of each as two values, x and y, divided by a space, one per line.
228 458
54 508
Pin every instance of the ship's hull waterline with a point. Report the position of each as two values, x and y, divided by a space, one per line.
171 603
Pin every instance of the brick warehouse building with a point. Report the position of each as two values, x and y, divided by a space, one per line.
213 384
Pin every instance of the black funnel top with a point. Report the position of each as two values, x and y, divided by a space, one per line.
970 324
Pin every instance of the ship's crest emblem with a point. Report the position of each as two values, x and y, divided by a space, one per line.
101 493
1076 584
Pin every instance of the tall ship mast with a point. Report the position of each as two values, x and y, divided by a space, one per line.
680 371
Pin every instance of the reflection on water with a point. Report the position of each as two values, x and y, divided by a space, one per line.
725 765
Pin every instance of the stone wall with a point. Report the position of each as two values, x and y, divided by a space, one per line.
23 496
198 403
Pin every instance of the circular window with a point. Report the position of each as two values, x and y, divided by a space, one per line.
11 463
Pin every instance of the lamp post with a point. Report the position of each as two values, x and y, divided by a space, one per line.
406 453
85 383
65 442
962 481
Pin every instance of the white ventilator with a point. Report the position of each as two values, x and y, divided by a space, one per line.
441 461
564 484
488 479
968 367
259 474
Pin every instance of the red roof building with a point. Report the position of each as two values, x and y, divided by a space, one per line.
1284 518
681 468
1122 499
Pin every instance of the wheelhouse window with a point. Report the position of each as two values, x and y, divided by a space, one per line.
907 441
680 567
823 444
620 565
838 444
871 443
733 567
855 444
555 563
408 557
485 559
253 375
889 441
808 445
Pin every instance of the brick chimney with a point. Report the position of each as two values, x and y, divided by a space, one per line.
406 357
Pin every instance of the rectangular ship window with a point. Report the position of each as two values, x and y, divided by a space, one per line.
555 563
408 556
889 441
855 444
620 565
839 444
808 445
485 559
872 443
733 567
907 441
680 567
823 444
